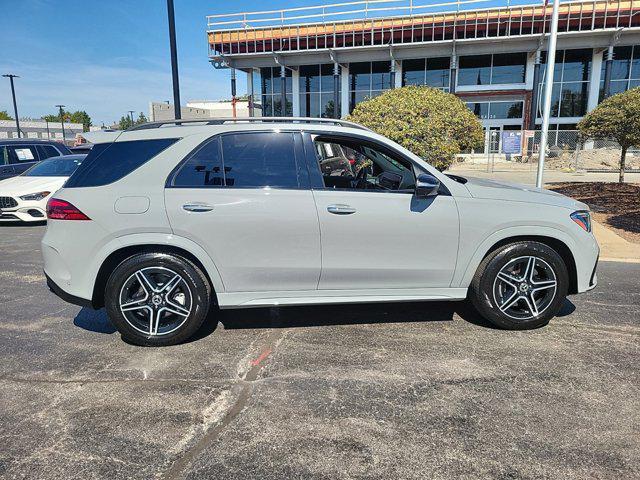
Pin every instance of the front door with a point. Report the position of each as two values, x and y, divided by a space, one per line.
375 232
245 198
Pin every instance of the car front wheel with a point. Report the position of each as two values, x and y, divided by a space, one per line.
157 299
520 286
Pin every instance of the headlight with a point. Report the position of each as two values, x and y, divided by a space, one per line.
582 218
34 196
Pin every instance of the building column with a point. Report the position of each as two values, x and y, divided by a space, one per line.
283 91
535 90
396 81
336 90
250 92
607 72
453 69
594 81
344 74
295 92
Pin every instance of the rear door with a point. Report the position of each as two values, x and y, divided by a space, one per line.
245 198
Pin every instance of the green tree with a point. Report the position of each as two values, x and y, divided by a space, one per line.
142 118
5 116
432 124
616 118
80 116
51 118
125 122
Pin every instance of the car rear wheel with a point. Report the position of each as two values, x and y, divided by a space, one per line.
157 299
520 286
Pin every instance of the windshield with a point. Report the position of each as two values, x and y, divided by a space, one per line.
55 167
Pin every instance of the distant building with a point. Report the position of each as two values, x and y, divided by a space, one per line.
198 109
40 129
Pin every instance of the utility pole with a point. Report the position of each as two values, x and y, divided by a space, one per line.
174 60
131 115
548 88
10 76
60 107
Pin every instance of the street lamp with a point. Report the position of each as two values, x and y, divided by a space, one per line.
60 107
174 60
10 76
548 86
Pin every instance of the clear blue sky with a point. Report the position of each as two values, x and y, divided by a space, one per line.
107 57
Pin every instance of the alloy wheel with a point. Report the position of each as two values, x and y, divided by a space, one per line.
155 301
525 287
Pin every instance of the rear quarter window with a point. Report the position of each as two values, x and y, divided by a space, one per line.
109 162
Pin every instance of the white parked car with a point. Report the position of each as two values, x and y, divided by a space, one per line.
164 221
24 198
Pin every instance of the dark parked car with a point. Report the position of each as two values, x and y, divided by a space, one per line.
19 154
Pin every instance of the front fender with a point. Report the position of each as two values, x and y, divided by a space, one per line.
467 270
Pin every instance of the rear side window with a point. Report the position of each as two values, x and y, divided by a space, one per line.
109 162
47 151
242 160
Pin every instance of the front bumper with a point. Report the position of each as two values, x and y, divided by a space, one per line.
67 297
25 212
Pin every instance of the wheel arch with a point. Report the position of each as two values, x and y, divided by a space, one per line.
553 239
119 255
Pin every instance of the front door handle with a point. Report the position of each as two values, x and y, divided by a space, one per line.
341 209
197 207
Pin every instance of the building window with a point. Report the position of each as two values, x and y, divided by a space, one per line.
570 83
316 91
432 72
497 110
497 69
367 80
625 70
271 87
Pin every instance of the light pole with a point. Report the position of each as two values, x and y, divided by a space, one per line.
131 115
10 76
548 88
174 60
60 107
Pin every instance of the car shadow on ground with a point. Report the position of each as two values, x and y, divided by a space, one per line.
317 316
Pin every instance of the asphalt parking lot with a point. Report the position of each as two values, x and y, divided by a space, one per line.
372 391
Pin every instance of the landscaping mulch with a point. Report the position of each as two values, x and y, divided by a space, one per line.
612 204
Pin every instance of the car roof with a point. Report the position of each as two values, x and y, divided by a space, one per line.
30 140
169 129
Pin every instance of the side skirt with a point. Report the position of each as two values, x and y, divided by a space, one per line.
321 297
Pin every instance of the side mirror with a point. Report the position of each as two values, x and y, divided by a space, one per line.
426 185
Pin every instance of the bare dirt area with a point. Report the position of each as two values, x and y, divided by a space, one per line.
613 204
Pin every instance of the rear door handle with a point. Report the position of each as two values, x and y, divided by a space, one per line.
197 207
341 209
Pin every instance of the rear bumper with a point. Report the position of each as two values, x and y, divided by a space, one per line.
67 297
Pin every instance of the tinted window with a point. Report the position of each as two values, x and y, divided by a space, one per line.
475 70
55 167
109 162
203 168
22 153
259 160
47 151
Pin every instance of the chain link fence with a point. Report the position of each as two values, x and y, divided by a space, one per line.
565 152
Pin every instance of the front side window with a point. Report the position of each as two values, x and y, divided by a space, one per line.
351 165
22 153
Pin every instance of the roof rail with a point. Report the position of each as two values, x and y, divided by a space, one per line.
226 120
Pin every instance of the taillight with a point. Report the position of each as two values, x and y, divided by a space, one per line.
61 210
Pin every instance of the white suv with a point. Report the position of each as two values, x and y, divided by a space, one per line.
167 220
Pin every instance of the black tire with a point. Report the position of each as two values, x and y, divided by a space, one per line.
486 291
192 288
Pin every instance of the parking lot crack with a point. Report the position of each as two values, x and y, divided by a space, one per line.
242 389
